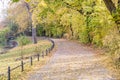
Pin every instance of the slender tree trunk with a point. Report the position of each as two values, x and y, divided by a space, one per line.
34 38
87 28
71 29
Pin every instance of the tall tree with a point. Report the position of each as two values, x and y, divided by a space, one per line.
30 17
16 17
26 2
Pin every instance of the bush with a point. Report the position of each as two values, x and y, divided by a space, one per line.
23 40
3 36
40 30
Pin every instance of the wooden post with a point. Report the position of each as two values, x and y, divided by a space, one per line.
46 52
49 50
31 63
22 66
43 54
38 57
9 73
52 46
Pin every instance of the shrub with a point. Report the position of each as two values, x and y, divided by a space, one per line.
3 36
23 40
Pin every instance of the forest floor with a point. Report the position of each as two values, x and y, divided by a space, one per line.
73 61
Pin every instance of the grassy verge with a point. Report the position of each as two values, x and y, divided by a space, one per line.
12 57
28 70
110 64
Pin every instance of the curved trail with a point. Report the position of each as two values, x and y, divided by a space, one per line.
72 61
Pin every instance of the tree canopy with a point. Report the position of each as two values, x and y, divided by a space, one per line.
95 22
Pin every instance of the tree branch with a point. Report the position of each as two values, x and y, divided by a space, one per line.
72 7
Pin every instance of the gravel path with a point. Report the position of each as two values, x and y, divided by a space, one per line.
72 61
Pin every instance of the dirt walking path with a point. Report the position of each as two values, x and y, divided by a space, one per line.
72 61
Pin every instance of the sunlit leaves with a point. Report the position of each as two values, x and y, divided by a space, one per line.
15 15
27 0
43 3
19 0
88 27
15 0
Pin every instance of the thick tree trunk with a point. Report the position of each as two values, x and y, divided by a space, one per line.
110 6
112 9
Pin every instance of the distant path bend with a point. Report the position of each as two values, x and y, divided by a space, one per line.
72 61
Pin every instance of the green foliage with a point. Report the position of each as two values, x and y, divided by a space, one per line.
85 20
39 30
112 42
12 57
88 21
84 36
18 16
3 34
15 0
19 0
23 40
13 27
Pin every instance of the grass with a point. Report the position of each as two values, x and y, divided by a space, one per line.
10 58
110 64
28 70
26 50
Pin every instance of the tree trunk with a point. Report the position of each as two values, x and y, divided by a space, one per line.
118 3
110 6
87 28
71 30
34 37
112 9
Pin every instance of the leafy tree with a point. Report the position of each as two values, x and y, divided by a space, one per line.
28 9
16 17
